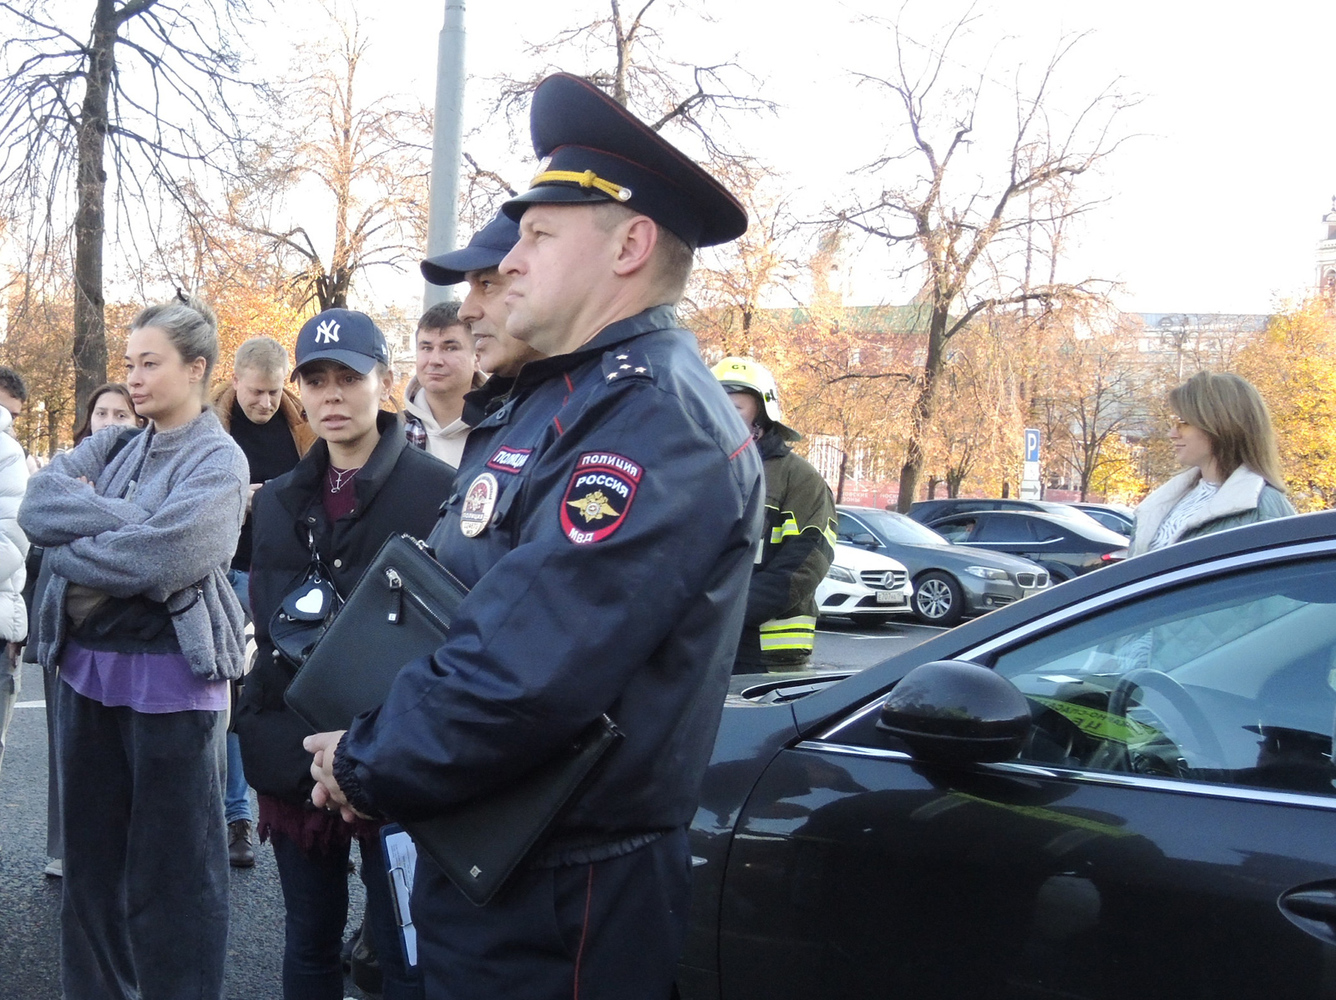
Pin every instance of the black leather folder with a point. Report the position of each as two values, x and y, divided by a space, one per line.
400 610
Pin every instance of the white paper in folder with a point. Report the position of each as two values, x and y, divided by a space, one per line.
400 862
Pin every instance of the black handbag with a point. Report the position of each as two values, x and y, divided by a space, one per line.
302 617
401 610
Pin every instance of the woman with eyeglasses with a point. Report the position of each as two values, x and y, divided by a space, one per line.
1222 434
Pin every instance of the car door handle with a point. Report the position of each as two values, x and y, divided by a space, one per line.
1311 904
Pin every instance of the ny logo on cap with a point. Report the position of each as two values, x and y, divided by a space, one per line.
327 332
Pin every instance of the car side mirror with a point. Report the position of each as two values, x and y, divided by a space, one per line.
957 712
866 540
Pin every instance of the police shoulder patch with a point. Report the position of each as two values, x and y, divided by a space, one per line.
598 496
622 364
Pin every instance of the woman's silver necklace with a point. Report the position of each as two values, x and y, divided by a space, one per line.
338 478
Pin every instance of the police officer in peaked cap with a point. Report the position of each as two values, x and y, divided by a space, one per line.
608 534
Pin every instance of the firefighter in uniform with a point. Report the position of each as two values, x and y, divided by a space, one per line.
798 539
606 519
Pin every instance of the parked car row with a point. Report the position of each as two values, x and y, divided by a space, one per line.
1110 516
949 581
953 558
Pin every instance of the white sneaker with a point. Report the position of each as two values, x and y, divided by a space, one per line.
55 868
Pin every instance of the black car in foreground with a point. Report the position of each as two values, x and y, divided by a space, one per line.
1066 547
1120 787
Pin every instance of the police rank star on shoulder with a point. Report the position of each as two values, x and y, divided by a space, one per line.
605 519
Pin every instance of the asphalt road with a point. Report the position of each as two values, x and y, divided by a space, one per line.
30 901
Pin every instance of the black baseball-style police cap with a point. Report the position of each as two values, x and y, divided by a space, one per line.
600 152
489 246
343 335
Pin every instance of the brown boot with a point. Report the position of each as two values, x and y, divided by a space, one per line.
240 846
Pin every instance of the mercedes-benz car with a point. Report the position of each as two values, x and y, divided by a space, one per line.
950 581
865 586
1120 787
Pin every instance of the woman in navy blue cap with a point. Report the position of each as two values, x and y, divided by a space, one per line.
358 484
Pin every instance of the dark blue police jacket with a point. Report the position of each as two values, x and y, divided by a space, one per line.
606 518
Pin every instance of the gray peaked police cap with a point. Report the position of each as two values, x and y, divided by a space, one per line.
599 152
489 246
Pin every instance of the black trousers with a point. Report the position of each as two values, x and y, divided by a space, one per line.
611 930
144 898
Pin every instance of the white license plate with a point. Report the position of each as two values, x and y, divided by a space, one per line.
890 597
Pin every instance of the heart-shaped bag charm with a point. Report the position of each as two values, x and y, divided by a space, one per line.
312 602
309 603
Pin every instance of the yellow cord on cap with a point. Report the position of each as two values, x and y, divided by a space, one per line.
586 179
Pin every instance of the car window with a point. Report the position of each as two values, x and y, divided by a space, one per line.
898 528
848 527
1231 680
1110 521
1005 529
956 529
1046 531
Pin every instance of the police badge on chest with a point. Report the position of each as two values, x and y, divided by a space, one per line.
479 502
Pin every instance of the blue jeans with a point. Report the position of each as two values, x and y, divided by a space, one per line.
144 898
315 901
236 795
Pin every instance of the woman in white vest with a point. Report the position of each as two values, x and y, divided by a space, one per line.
1221 432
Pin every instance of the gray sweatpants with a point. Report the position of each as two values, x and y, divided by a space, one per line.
144 911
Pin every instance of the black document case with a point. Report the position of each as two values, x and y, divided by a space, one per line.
400 610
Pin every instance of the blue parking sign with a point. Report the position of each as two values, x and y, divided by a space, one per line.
1031 444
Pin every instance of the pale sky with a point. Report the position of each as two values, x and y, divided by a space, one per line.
1214 206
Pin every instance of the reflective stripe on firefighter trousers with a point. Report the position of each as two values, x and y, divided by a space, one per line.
796 633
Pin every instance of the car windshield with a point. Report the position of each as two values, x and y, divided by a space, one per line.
900 529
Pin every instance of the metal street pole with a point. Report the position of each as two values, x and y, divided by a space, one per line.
446 143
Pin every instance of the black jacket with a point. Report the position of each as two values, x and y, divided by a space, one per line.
606 518
398 490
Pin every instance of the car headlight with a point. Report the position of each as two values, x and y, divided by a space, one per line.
986 572
841 574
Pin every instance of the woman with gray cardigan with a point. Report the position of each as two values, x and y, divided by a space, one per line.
140 623
1221 431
